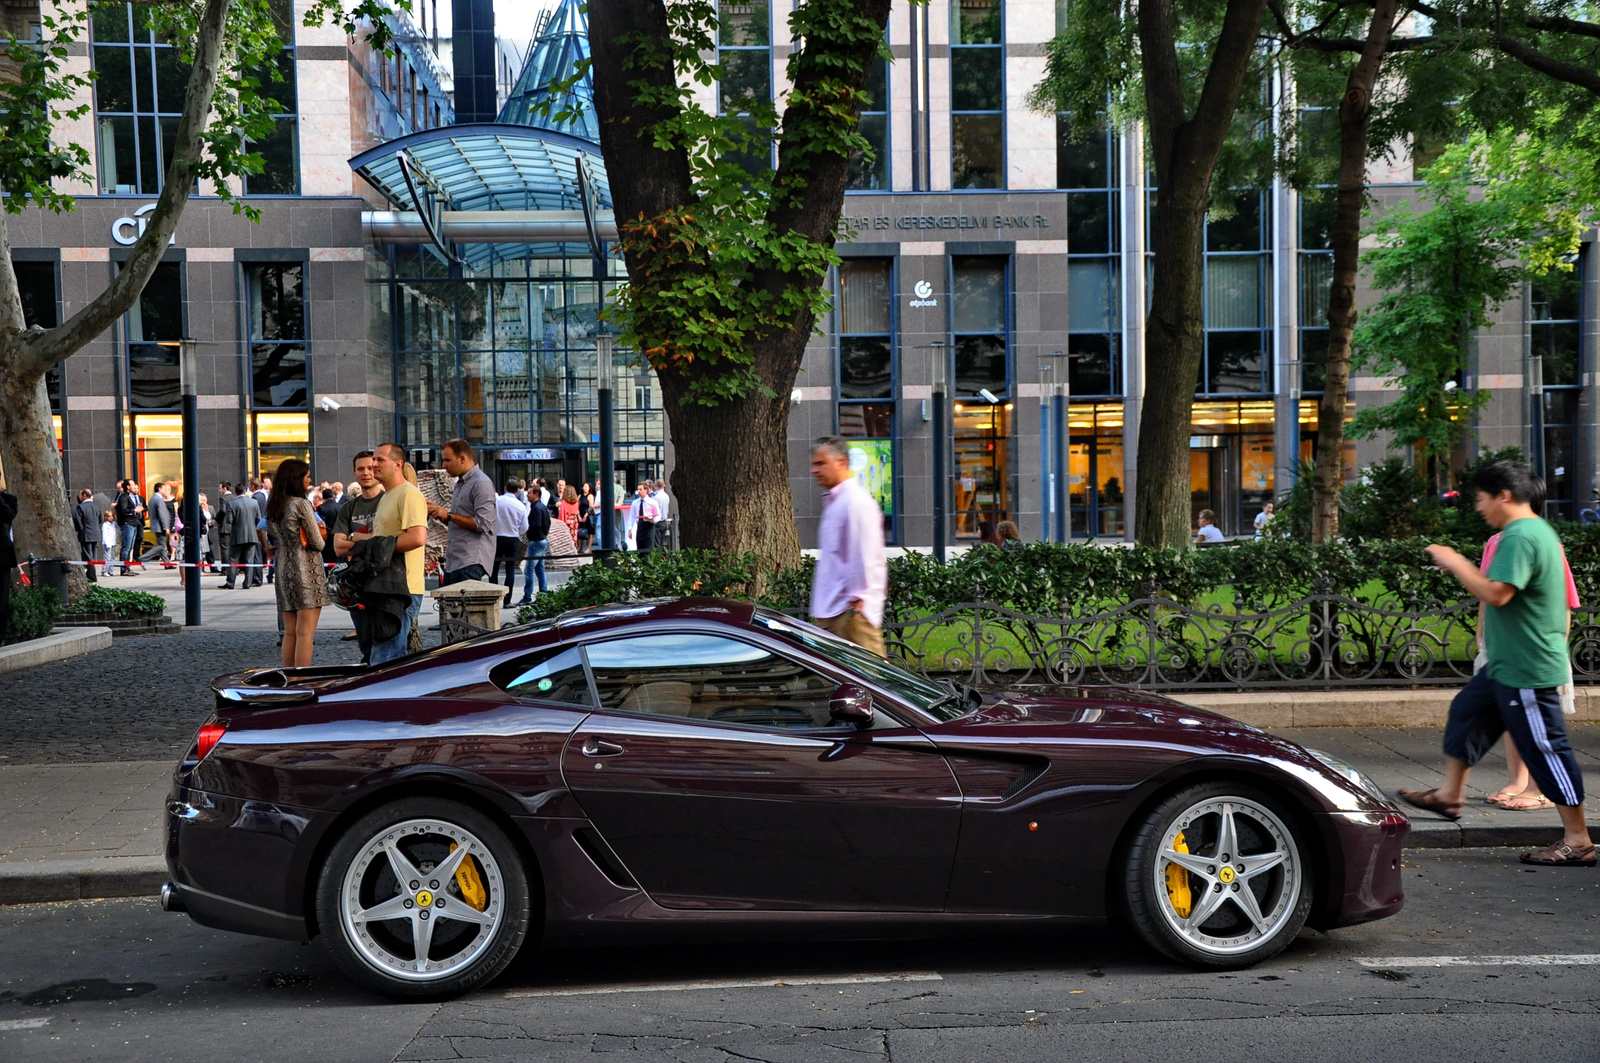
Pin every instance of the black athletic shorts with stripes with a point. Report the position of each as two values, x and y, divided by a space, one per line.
1485 709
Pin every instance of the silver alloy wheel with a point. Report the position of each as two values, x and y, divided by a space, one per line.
1237 900
400 895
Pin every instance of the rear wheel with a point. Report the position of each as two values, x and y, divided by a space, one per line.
1217 877
423 898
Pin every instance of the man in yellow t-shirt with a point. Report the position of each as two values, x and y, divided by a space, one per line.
403 514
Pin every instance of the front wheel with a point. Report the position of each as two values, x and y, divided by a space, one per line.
423 898
1216 877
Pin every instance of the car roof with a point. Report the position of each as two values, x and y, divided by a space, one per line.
722 610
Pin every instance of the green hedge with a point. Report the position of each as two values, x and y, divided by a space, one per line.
1048 579
101 599
33 613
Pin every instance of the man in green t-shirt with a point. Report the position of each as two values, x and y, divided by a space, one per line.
1518 692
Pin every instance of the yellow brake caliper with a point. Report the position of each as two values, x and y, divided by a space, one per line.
1178 881
473 893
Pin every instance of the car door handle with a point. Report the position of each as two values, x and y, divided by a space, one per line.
599 747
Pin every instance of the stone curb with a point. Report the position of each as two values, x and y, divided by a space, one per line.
1272 709
56 646
32 881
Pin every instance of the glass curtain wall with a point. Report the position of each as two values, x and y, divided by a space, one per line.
977 94
865 307
980 320
1554 333
280 152
1237 329
872 175
138 97
1086 169
505 357
153 327
744 51
276 330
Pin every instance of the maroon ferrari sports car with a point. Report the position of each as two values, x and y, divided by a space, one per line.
699 768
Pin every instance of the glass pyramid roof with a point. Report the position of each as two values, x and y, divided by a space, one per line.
523 161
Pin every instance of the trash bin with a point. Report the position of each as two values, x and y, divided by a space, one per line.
51 572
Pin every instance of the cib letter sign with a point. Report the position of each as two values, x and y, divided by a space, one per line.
127 230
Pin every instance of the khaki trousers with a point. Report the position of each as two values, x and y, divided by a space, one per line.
853 627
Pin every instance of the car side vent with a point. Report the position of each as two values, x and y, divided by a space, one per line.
1031 772
590 842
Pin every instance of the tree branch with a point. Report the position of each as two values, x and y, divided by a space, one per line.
49 346
1547 65
1562 25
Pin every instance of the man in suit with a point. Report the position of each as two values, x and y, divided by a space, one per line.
129 510
243 516
260 490
161 517
8 556
86 521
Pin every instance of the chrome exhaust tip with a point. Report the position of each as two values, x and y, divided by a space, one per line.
170 901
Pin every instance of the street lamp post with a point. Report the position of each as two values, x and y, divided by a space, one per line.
189 385
1047 469
1058 417
606 380
940 367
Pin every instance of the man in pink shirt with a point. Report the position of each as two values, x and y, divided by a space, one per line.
852 577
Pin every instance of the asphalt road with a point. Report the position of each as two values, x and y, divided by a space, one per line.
119 980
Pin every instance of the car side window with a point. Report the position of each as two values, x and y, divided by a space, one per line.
707 677
550 675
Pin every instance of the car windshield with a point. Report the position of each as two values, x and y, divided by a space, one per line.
937 701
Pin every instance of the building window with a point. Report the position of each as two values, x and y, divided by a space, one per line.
1316 275
1095 498
277 325
977 94
138 98
980 327
278 437
1554 331
36 284
744 52
280 152
1231 470
157 449
873 175
154 326
1235 359
1085 168
867 375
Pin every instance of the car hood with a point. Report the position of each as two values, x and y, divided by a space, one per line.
1108 712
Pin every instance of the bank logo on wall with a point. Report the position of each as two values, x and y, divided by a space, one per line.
923 290
127 230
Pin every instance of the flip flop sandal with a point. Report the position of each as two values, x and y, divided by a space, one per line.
1560 855
1428 801
1499 797
1531 803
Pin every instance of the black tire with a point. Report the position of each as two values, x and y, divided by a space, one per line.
467 944
1230 935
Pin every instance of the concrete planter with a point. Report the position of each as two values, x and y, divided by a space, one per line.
56 646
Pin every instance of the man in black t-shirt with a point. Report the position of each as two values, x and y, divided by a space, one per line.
353 523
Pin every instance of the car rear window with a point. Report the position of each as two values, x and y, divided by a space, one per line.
549 675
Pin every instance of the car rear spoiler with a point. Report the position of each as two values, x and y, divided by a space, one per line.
278 686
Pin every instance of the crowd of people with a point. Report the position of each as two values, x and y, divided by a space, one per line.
286 532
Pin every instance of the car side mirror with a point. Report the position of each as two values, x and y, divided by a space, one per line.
851 704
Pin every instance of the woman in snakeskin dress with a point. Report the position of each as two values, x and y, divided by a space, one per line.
301 582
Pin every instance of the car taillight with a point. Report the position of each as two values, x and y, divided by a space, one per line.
209 735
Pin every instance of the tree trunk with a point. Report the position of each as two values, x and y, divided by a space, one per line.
27 439
732 458
732 478
1355 113
1185 150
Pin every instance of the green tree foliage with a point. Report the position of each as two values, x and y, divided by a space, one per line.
1494 213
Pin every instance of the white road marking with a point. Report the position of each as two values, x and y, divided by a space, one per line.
732 983
1575 959
23 1024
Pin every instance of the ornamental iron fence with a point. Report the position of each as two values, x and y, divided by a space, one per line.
1325 640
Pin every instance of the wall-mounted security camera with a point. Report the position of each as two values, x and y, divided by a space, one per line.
990 397
330 403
